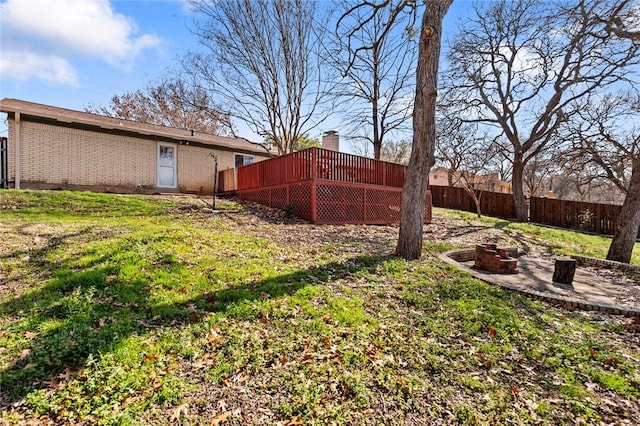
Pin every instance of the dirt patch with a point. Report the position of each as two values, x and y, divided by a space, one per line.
274 224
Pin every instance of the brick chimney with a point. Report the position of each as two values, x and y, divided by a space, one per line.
330 140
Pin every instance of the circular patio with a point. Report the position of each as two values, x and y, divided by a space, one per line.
588 291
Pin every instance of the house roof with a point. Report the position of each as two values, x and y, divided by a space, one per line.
73 117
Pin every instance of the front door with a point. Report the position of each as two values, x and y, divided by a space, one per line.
167 177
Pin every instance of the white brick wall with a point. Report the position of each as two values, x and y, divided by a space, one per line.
60 155
53 155
195 167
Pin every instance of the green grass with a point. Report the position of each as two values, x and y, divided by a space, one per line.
131 310
559 241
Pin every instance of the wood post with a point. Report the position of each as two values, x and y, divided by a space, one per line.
564 271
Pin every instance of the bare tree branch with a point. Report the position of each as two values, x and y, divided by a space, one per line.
262 58
374 50
169 102
519 67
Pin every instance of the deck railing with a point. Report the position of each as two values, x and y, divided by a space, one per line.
317 163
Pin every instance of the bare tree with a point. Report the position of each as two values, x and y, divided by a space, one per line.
169 102
376 58
536 176
359 145
262 58
449 154
469 157
414 191
622 20
606 133
518 67
396 152
576 178
584 185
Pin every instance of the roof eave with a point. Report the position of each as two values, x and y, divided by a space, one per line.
123 127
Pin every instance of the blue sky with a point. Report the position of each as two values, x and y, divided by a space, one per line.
72 53
75 53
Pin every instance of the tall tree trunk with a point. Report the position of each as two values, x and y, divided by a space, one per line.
522 211
628 225
476 201
377 143
375 119
422 158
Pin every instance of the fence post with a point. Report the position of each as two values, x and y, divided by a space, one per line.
532 208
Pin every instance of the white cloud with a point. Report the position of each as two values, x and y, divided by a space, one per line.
527 65
22 66
187 9
632 20
57 30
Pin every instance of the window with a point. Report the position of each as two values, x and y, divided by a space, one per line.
242 160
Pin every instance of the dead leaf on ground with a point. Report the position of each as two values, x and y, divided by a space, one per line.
181 410
217 420
214 337
149 357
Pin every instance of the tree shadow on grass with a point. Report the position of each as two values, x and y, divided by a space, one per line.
501 224
88 311
459 231
52 243
34 262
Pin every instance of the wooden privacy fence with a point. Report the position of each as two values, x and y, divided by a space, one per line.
494 204
226 180
590 217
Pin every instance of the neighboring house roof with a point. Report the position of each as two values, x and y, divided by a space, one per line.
85 119
489 178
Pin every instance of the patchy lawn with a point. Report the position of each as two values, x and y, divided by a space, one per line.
142 310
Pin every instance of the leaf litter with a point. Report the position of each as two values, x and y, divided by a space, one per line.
382 341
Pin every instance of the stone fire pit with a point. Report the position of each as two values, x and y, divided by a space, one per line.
490 258
589 290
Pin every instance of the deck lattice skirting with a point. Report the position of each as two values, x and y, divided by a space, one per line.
327 187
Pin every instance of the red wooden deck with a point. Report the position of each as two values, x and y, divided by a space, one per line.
324 187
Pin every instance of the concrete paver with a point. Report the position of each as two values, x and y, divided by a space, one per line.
588 290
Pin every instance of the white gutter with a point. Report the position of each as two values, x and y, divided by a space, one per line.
17 150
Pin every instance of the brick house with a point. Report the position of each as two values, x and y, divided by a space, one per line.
50 147
439 176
